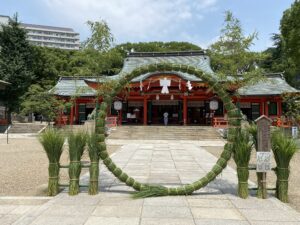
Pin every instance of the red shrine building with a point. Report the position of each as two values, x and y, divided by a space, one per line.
186 98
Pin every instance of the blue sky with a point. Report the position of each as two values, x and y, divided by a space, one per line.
196 21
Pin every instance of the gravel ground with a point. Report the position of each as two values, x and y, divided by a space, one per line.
294 180
24 167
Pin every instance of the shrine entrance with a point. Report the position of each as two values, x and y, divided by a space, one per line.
171 107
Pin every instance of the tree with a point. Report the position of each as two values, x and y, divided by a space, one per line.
278 61
155 46
101 38
290 31
16 63
292 106
231 54
39 100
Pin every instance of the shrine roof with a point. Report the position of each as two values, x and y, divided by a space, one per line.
71 86
275 84
3 84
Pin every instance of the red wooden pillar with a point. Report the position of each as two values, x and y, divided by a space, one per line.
266 108
120 118
145 110
262 107
72 115
60 118
279 105
184 110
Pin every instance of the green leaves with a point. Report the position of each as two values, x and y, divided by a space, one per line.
283 147
231 54
16 62
52 142
290 30
40 100
292 104
101 38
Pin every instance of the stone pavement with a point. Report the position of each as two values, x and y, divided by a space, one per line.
165 162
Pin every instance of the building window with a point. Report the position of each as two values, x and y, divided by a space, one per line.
273 108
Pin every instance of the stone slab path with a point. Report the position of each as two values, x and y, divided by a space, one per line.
165 162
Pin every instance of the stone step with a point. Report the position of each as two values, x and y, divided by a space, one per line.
164 133
20 128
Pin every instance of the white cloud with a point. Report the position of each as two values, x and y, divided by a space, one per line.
198 40
133 20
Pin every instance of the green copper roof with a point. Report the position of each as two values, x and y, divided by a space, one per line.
70 86
73 86
196 59
275 84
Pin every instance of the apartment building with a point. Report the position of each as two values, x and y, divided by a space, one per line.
49 36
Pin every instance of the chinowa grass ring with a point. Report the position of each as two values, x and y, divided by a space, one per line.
147 190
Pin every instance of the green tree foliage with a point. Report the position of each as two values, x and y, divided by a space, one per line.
155 47
290 31
292 106
285 55
90 62
101 38
39 100
278 61
16 63
231 54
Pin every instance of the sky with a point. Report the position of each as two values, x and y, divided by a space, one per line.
195 21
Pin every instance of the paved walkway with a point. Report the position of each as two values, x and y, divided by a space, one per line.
166 162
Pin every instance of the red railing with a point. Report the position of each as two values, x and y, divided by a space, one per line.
220 122
111 121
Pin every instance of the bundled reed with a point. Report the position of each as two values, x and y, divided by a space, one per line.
241 149
252 129
77 144
94 150
52 142
283 148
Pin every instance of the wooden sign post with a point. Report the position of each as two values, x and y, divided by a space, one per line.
263 154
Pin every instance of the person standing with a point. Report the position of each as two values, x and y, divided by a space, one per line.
166 114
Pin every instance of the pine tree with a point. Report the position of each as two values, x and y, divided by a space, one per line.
16 63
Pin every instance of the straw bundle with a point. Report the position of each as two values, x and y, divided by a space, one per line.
52 142
94 150
241 154
252 129
76 148
283 148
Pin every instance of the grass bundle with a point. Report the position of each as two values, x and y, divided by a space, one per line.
252 129
52 142
94 150
284 148
241 149
77 144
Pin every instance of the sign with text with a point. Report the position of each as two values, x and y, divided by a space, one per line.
294 132
263 161
263 154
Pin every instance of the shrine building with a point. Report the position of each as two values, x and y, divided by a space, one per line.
187 99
